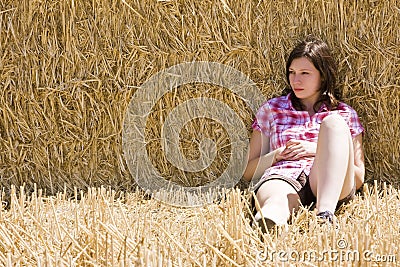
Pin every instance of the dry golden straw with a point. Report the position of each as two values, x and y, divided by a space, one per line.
105 228
68 70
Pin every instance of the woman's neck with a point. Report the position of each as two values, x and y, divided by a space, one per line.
309 106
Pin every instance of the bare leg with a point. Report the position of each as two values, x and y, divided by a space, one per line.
332 175
277 200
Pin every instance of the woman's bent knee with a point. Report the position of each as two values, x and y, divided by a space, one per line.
274 188
334 122
278 193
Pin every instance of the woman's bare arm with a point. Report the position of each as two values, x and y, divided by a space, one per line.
258 157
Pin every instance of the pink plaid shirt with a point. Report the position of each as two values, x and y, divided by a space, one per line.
280 122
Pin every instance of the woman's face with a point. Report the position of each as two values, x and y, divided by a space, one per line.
305 80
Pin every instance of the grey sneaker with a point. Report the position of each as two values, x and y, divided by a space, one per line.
325 217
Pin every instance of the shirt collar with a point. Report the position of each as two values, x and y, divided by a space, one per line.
322 108
289 101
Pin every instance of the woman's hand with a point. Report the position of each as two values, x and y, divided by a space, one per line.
297 149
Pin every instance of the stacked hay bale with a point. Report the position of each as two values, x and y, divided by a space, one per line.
68 70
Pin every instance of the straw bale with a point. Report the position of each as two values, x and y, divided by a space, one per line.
68 70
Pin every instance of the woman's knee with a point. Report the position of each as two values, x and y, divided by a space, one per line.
274 189
278 193
334 122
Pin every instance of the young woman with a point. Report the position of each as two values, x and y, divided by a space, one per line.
306 146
